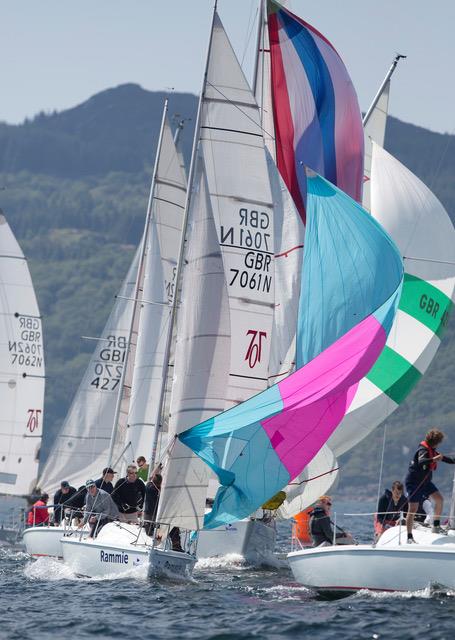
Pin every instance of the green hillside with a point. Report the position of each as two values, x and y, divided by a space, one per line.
76 191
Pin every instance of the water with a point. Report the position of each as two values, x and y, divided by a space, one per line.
42 598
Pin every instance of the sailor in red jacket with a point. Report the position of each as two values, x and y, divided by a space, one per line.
36 516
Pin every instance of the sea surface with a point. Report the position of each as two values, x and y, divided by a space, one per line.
225 600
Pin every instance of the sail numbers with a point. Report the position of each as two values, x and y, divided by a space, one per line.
107 368
33 421
251 232
254 351
27 349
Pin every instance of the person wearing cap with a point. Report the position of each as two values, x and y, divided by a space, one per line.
321 525
61 496
38 516
99 508
105 482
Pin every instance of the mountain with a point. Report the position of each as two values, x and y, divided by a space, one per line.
76 192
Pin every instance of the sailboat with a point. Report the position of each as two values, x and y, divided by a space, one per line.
412 214
112 416
22 374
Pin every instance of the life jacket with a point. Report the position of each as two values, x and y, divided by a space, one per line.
431 454
301 528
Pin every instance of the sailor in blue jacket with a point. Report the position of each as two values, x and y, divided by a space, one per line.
419 480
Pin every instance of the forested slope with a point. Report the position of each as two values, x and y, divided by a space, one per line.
76 191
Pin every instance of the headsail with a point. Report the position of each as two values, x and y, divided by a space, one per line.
21 370
425 236
351 284
315 110
163 241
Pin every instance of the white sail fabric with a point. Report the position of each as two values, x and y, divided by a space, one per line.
201 361
81 448
162 249
236 214
21 370
317 479
374 131
289 239
423 231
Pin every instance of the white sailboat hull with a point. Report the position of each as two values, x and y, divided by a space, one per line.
45 541
118 550
254 540
390 566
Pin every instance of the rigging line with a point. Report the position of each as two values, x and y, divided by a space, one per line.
429 260
250 25
382 463
326 473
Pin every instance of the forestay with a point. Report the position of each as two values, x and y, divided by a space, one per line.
81 447
236 214
424 233
352 276
21 370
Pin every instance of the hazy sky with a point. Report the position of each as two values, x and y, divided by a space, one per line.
57 53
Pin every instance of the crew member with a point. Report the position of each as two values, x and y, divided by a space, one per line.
99 508
38 515
143 469
390 505
418 480
321 526
129 495
152 495
61 496
105 482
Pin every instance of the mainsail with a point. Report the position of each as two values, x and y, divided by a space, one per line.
21 370
425 236
352 276
225 319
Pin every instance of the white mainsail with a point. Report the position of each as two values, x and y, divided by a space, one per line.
21 370
424 233
163 243
81 447
223 349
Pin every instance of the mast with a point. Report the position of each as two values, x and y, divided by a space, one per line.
178 274
382 87
259 46
137 288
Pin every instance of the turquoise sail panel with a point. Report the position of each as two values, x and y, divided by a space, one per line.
345 275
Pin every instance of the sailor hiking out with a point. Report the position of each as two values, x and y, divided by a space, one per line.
419 483
99 508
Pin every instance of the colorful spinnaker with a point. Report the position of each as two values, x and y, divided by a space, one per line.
316 116
352 277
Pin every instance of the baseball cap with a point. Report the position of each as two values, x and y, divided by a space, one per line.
108 470
90 483
64 484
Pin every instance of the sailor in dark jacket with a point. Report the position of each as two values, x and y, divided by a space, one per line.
321 526
419 480
105 482
152 495
129 495
390 505
61 497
